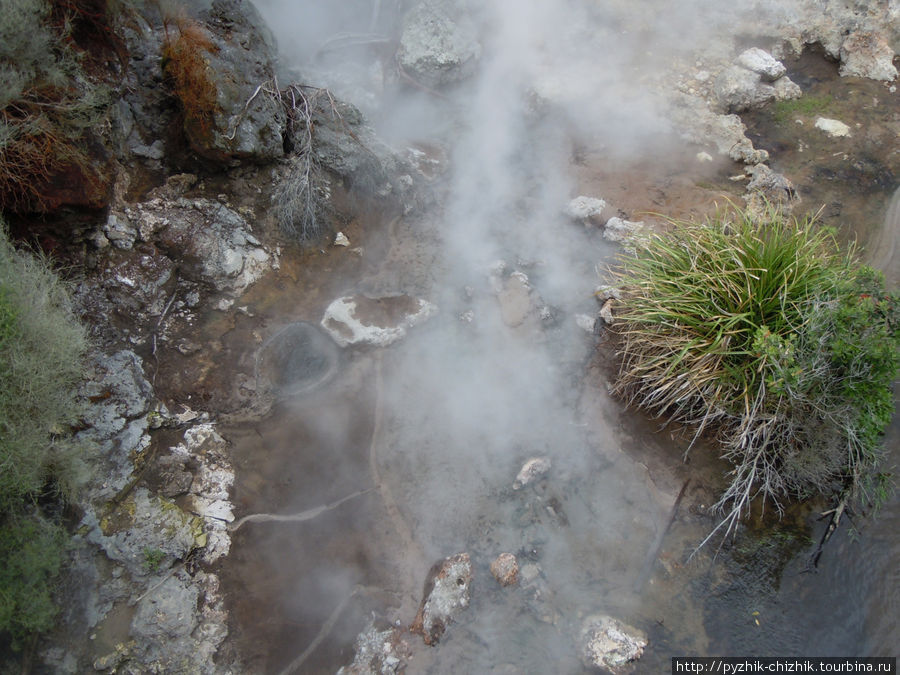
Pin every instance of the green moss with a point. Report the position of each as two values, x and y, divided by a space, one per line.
785 112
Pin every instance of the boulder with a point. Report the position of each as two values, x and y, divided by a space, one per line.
439 44
446 596
738 89
583 208
610 645
246 121
761 62
698 124
617 229
867 54
769 190
379 322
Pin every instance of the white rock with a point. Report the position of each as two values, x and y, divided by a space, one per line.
833 128
357 319
533 469
585 322
704 157
609 644
340 239
760 61
582 208
617 229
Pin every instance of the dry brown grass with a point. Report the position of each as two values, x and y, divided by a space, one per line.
186 51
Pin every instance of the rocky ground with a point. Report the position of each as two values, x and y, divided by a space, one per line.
185 266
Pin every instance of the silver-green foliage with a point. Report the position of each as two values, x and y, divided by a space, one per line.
41 349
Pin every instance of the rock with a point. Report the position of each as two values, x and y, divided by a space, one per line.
833 128
439 44
505 569
609 644
606 312
246 122
604 293
379 322
698 124
516 299
378 652
146 533
446 595
738 89
867 54
533 469
585 322
761 62
769 190
618 230
117 400
212 243
584 208
340 239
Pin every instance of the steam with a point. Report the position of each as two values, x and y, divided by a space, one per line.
469 397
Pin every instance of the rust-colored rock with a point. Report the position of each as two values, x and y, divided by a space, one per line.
446 595
505 569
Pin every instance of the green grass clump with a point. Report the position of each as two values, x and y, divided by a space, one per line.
805 106
41 349
773 338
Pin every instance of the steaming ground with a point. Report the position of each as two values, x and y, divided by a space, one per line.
428 435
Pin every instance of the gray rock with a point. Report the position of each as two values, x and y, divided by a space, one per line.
531 470
609 644
378 652
867 54
583 208
361 320
439 45
145 533
738 89
212 243
761 62
768 190
698 124
117 399
446 596
618 230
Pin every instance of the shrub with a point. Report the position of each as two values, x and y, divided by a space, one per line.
770 336
46 103
41 349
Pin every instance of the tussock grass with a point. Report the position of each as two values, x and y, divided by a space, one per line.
768 336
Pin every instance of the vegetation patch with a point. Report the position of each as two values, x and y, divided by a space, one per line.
785 112
47 105
41 350
772 338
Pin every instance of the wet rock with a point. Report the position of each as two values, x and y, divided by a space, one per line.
761 62
769 190
609 644
439 44
378 652
379 322
505 569
867 54
834 128
583 208
178 626
213 478
532 470
618 230
145 533
446 595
